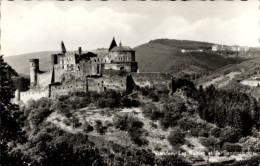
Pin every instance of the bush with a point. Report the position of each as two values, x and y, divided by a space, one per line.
38 115
133 126
176 138
66 122
100 128
76 123
210 142
229 134
157 147
231 147
215 132
87 128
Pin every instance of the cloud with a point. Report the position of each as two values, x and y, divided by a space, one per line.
40 26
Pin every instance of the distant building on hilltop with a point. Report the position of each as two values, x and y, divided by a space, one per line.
114 68
215 48
234 48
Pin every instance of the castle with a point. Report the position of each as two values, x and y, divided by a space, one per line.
114 68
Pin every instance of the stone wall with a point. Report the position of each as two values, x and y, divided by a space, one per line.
159 81
57 90
128 66
101 84
33 94
44 79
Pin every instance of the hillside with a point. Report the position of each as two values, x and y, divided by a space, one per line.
161 55
21 62
142 128
243 77
164 55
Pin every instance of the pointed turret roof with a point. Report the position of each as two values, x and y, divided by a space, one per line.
63 49
112 45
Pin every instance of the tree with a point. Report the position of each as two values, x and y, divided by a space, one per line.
22 83
10 130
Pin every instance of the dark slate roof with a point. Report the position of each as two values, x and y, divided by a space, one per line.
121 48
112 45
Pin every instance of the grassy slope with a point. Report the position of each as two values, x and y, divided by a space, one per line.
164 56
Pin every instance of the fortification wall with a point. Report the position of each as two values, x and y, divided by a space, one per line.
101 84
33 94
57 90
44 79
159 81
128 66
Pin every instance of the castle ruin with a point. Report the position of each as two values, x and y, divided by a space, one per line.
106 69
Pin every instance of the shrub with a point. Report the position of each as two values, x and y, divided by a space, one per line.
229 134
231 147
215 131
66 122
100 128
157 147
135 103
210 142
87 127
134 128
37 116
176 138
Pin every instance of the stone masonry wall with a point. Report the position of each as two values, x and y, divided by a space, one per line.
33 94
159 81
57 90
44 79
101 84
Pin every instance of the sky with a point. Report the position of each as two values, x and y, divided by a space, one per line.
32 26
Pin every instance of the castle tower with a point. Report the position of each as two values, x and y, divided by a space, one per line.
63 49
112 45
80 51
34 68
54 59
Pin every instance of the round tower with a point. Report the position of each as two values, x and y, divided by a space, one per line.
54 59
34 68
